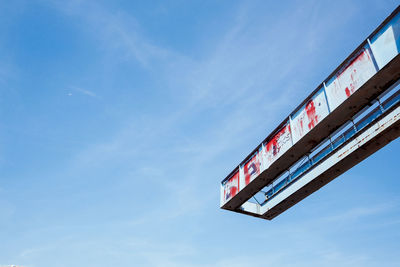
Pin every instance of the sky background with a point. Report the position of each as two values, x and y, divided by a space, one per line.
119 119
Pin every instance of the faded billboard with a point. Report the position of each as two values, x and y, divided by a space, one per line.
278 145
315 110
386 43
231 186
252 168
350 78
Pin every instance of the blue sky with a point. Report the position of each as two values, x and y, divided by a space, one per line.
119 119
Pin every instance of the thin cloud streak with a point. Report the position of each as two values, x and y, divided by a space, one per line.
224 78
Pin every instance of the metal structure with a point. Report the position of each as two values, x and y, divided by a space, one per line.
351 114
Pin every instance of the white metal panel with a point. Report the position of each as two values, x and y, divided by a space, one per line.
348 80
251 169
231 187
278 145
221 196
309 116
385 44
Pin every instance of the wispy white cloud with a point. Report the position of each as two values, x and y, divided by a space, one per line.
114 29
233 74
83 91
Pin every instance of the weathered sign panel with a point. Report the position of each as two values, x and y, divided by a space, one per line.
386 43
304 120
278 145
231 186
350 78
251 169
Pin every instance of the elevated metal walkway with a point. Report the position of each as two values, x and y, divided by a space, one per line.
349 101
373 128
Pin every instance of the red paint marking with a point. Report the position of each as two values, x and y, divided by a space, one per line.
232 186
275 145
354 83
359 58
311 114
301 130
347 91
251 169
233 191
